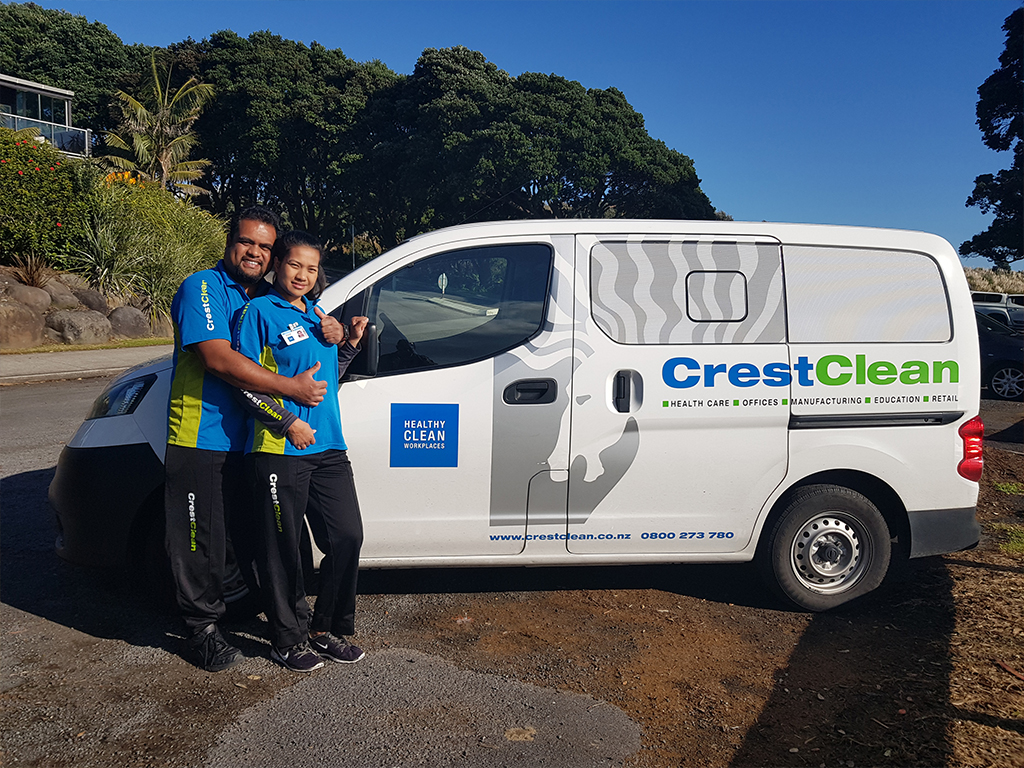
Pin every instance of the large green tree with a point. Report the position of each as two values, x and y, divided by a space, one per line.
67 51
460 140
280 130
1001 119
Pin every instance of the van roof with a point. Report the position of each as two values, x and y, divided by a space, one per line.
804 234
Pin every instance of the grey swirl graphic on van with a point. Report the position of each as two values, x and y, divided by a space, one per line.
688 292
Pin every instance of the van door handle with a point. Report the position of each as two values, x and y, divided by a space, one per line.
530 392
627 391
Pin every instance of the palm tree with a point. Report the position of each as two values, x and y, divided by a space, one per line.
155 137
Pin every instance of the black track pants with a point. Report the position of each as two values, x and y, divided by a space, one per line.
319 485
205 495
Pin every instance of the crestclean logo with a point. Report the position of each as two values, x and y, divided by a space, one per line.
192 521
830 370
204 297
277 504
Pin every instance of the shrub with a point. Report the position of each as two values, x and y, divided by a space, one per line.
141 241
981 279
42 202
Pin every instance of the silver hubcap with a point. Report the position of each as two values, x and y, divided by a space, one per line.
829 554
1008 382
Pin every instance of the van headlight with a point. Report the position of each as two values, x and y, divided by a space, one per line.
121 397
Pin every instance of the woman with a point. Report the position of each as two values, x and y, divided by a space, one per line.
306 470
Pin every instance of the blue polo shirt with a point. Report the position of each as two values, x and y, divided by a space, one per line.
203 412
287 340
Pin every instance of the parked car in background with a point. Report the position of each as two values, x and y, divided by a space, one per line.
1002 357
1007 308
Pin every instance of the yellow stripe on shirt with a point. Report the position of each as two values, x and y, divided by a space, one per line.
264 440
186 408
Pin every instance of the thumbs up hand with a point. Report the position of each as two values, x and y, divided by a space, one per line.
332 330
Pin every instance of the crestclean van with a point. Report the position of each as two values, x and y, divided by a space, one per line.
613 391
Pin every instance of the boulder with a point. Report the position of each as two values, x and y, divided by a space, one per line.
129 322
80 327
61 296
34 298
20 327
72 281
92 298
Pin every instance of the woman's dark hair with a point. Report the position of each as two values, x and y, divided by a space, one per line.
294 238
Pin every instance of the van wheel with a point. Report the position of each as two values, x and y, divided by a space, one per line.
829 545
1007 383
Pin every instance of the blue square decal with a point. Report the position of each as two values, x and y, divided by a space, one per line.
424 434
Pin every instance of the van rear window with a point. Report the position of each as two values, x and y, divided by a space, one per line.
861 295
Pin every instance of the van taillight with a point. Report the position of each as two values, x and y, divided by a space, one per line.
972 432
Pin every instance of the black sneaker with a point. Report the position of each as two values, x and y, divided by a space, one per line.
297 658
208 650
336 649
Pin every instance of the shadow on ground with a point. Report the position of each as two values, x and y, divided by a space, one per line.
103 604
867 684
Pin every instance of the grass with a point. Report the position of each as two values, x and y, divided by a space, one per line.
1011 538
980 279
122 344
1015 489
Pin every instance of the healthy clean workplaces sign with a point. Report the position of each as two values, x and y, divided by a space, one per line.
424 435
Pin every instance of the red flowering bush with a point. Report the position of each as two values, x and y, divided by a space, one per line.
42 205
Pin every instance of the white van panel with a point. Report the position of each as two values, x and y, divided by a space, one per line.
894 455
418 510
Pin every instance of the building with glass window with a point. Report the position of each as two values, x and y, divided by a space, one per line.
24 104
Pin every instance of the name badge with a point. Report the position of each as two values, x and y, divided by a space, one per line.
294 335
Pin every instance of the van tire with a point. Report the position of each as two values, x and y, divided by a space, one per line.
828 546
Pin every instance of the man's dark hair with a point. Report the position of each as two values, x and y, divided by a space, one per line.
255 213
294 238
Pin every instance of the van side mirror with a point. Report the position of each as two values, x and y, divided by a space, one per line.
364 364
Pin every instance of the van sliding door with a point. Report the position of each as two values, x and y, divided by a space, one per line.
680 394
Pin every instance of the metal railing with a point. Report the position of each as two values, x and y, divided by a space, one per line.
69 140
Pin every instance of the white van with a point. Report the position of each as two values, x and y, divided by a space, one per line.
613 391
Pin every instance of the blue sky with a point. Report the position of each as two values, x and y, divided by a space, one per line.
842 112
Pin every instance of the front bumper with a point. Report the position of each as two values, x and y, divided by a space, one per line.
97 495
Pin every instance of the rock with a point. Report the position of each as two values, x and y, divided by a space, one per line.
20 327
61 296
81 327
51 335
33 298
72 281
92 298
129 322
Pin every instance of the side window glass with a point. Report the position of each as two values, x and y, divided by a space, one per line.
460 307
716 297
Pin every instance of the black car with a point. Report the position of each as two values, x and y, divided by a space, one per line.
1002 358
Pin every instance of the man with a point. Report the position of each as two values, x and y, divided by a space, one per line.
204 486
